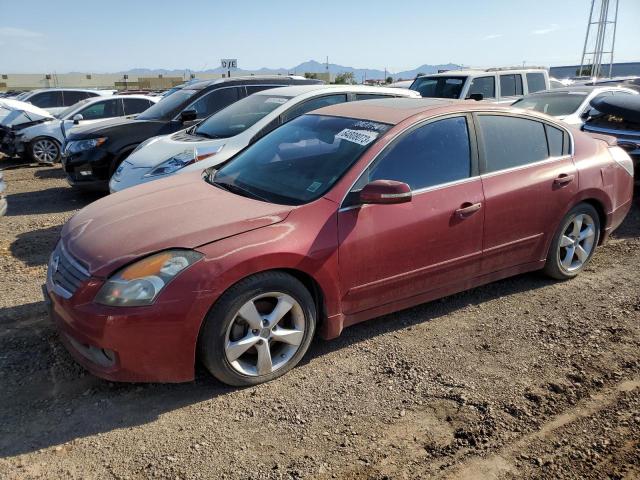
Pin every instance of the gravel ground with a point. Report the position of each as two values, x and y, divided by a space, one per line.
523 378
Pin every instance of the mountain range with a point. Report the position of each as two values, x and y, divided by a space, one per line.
310 66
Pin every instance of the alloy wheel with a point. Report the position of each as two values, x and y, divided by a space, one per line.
577 242
45 151
265 334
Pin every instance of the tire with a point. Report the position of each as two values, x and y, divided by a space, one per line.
579 231
235 337
44 150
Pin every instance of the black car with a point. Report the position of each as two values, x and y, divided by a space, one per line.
93 153
619 116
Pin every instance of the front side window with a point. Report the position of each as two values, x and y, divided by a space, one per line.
98 110
436 153
72 97
50 99
486 86
439 87
535 82
510 85
214 101
313 104
509 142
167 105
240 116
299 161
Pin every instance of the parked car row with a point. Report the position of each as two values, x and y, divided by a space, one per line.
327 218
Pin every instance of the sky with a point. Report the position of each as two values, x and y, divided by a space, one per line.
44 36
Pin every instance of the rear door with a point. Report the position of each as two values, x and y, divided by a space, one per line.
133 106
529 178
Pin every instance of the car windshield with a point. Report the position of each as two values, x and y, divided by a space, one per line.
167 105
554 104
439 87
239 116
73 107
300 161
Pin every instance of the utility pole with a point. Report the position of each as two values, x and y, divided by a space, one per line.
600 41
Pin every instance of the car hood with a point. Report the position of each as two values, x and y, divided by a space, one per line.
102 127
182 211
21 112
162 148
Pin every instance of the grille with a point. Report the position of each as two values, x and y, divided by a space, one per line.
66 272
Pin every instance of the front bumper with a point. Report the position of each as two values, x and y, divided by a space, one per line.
155 343
88 169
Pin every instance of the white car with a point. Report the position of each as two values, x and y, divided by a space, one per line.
569 104
222 135
44 142
54 100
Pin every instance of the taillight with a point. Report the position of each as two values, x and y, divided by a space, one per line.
622 158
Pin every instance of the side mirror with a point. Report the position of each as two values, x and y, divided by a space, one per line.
77 118
385 192
188 115
476 96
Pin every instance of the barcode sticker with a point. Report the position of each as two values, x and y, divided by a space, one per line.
361 137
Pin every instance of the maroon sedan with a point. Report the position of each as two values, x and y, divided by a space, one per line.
336 217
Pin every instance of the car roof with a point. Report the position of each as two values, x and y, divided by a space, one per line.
482 72
247 79
297 90
581 89
396 110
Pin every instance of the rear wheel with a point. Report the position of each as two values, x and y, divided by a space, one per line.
258 330
574 243
44 150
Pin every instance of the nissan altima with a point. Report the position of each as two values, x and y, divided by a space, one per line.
338 216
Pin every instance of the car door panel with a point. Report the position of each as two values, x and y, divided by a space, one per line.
392 252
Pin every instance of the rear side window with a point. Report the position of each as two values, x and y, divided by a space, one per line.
535 82
509 142
555 137
433 154
214 101
135 105
483 85
313 104
50 99
510 85
70 97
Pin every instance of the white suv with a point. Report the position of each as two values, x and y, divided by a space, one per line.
54 100
500 85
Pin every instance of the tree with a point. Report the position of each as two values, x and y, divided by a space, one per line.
345 78
311 75
389 79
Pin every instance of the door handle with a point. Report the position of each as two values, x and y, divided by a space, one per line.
467 209
563 179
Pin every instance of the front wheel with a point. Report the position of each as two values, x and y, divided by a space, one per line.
258 330
574 243
45 150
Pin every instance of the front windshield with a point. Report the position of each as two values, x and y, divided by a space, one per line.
239 116
554 104
300 161
73 107
439 87
167 105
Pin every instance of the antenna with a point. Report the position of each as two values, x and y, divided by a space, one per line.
602 41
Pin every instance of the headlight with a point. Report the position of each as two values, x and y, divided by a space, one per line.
141 282
183 159
82 145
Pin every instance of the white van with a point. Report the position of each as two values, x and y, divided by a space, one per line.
500 85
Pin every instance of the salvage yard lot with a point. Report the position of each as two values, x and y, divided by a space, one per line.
523 378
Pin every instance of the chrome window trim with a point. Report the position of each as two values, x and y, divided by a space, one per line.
528 165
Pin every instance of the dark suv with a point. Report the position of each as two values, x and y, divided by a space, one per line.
93 153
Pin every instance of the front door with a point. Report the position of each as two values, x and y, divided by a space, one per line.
393 252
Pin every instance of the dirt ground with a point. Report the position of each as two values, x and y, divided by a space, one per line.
523 378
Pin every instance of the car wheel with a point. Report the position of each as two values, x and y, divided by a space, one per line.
258 330
574 243
44 150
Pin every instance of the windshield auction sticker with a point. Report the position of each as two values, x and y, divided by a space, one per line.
361 137
278 100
